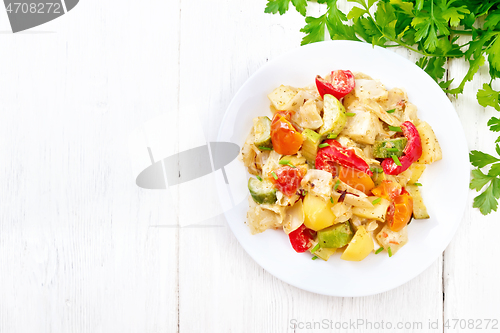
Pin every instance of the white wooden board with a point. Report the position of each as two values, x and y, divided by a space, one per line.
83 249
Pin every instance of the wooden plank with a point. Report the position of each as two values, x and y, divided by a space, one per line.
471 274
76 248
221 288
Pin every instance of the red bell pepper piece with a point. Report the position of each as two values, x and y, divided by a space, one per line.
328 157
340 84
301 238
412 151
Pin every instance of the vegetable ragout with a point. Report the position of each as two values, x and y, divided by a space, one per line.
337 165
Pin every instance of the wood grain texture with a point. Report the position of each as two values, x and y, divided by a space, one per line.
79 250
221 288
77 253
471 274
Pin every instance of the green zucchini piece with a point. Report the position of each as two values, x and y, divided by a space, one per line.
334 116
338 235
262 131
378 177
263 192
387 148
294 160
324 253
310 145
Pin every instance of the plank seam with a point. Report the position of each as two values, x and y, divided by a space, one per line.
443 286
178 145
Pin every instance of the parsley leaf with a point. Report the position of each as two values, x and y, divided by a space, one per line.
488 97
487 201
445 84
494 170
274 6
494 124
480 159
453 15
355 13
492 20
493 51
435 68
281 6
300 6
335 23
406 7
479 179
314 29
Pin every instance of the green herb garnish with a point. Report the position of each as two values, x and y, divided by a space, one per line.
395 128
324 145
264 148
331 199
429 29
331 136
390 111
336 185
396 160
314 258
286 162
376 201
389 251
376 170
274 175
259 177
379 250
315 248
350 114
417 184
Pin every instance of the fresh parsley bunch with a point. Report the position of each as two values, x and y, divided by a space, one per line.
430 28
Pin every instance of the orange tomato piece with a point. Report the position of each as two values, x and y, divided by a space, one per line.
356 179
399 212
288 179
387 190
286 139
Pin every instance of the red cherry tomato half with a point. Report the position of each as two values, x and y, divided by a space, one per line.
301 238
288 180
399 212
388 190
286 139
340 84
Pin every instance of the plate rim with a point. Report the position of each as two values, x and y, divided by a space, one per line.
462 203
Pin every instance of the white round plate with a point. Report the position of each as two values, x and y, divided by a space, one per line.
445 183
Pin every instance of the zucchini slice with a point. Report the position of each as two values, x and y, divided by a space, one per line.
262 130
263 192
334 116
387 148
310 145
336 236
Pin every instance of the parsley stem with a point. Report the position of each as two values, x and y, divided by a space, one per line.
397 41
461 32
